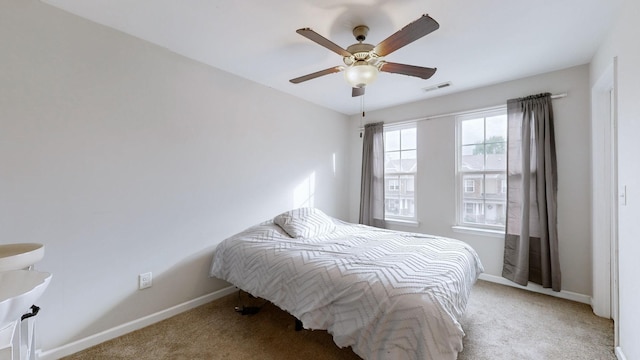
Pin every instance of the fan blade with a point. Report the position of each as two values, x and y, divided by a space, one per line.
408 34
417 71
316 74
321 40
357 91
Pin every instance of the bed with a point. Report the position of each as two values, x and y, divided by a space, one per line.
387 294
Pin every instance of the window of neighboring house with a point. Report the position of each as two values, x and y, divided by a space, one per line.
400 164
481 169
469 186
469 208
393 185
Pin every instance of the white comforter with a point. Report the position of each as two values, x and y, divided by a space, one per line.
387 294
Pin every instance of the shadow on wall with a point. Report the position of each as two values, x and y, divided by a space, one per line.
304 194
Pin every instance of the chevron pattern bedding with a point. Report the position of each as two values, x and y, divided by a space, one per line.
387 294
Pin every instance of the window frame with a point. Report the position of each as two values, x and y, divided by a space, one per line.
400 174
483 174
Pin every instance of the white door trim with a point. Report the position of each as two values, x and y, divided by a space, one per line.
616 203
604 194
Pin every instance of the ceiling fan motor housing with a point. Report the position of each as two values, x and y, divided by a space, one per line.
359 51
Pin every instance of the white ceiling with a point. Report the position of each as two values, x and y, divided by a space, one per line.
480 42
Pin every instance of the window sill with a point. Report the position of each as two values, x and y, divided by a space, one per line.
411 223
478 231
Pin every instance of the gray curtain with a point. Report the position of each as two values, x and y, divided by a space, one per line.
372 182
531 240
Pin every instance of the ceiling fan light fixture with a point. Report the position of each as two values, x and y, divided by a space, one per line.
364 61
361 74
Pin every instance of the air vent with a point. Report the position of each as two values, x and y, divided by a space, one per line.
437 87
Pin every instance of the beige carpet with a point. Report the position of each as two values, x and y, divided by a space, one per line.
500 323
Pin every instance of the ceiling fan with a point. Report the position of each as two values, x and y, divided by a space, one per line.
363 61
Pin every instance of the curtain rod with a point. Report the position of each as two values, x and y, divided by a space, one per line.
402 122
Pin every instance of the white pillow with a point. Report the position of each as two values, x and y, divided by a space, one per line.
305 223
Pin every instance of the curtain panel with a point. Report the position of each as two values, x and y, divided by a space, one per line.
531 239
372 181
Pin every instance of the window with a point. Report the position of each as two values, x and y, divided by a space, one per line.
469 208
400 164
469 186
481 169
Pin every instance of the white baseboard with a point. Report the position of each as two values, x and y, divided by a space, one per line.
137 324
123 329
568 295
619 354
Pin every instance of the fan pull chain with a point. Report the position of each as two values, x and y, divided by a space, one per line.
362 118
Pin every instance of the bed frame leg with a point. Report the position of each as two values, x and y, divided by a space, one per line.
298 325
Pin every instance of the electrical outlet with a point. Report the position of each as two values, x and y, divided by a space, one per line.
145 280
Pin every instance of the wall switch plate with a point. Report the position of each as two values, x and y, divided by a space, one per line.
145 280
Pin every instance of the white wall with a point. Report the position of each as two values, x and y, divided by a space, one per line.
623 44
436 166
123 157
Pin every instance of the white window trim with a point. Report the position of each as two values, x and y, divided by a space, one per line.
460 226
479 231
403 220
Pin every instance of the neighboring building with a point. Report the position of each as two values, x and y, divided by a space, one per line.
485 194
399 192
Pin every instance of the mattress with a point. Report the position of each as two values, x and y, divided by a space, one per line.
387 294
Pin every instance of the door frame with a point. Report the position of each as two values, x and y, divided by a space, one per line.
604 195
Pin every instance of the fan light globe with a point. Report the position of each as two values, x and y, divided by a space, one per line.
360 75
